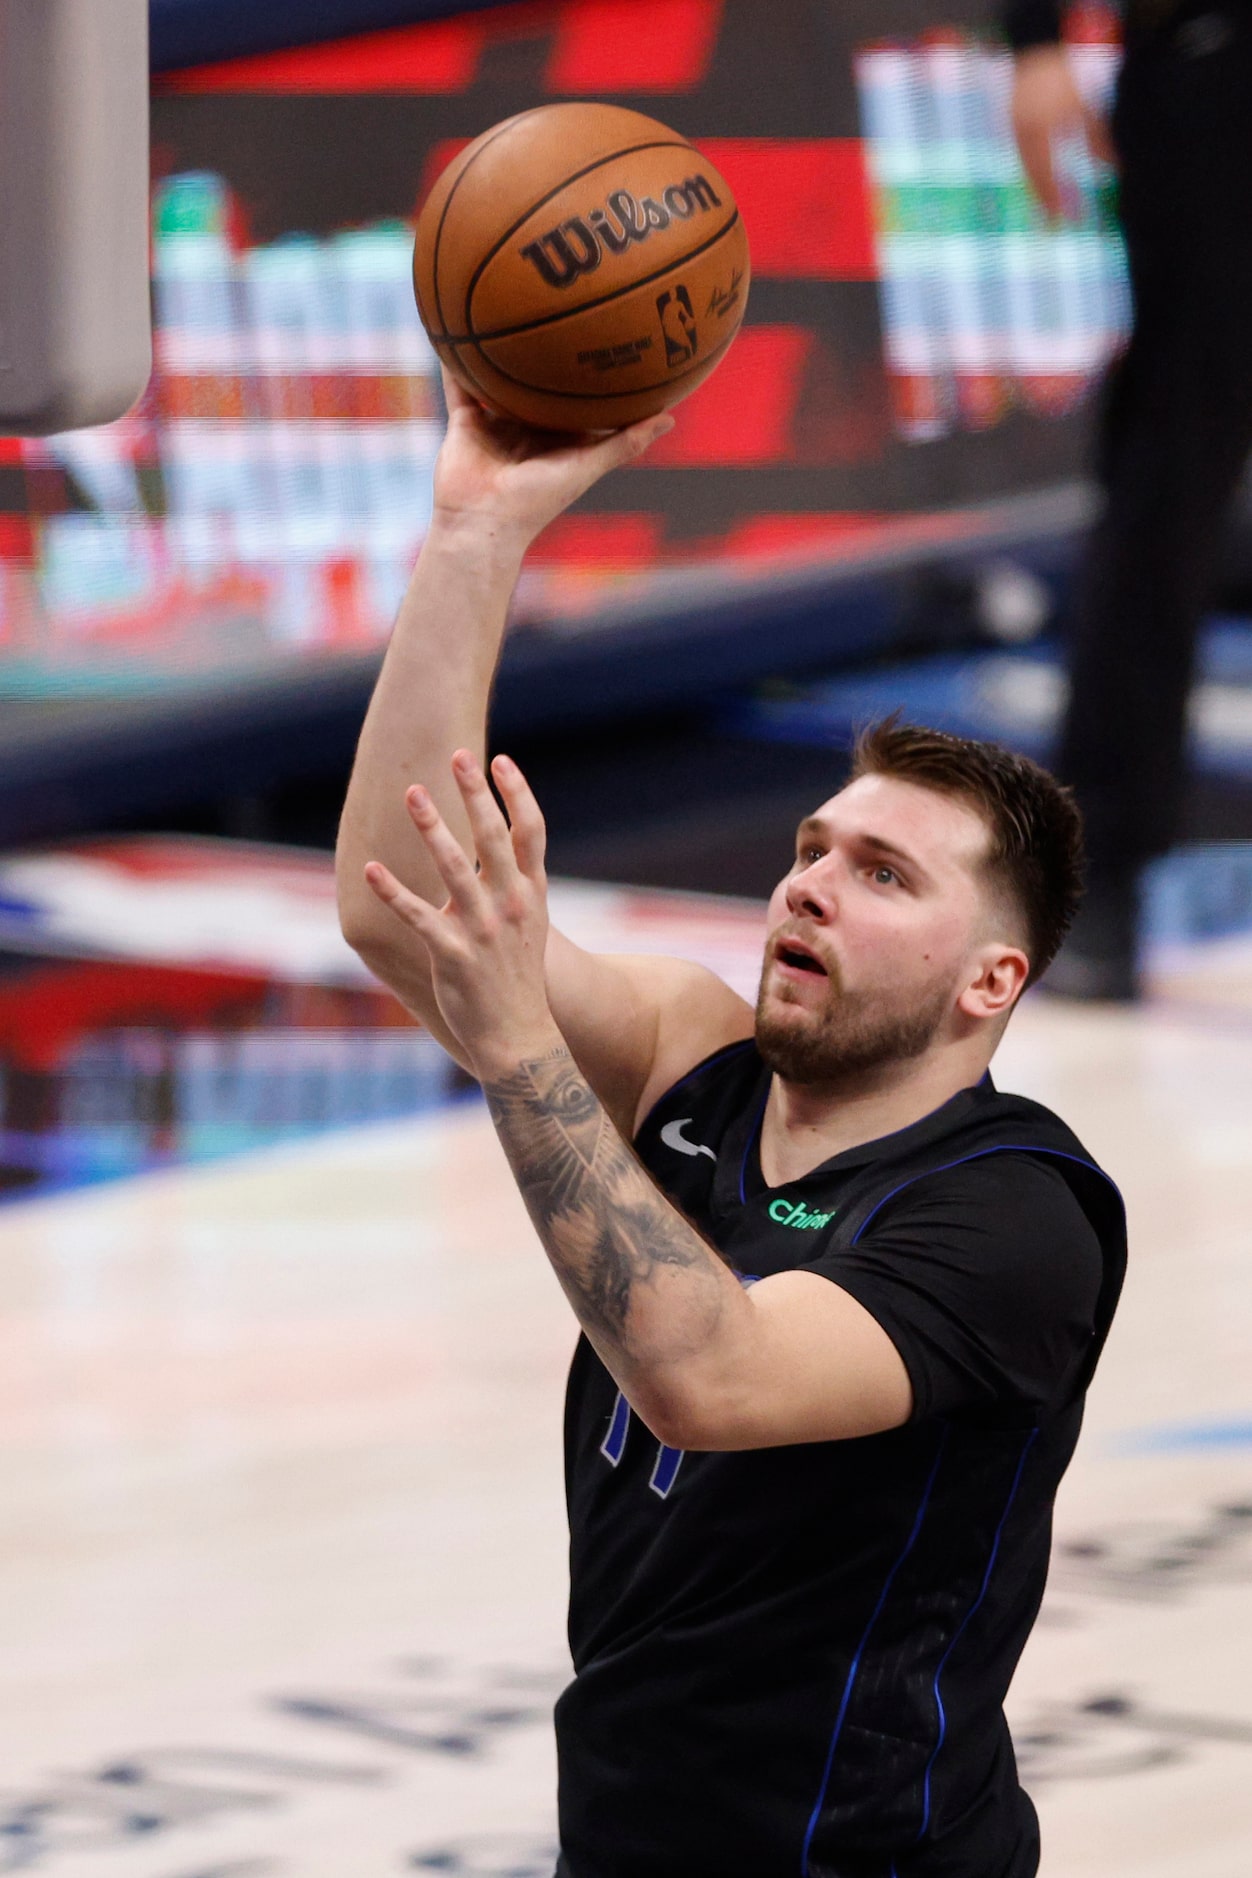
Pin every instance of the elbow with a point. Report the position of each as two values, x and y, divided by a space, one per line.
354 913
672 1431
704 1400
360 924
363 919
376 955
357 934
686 1418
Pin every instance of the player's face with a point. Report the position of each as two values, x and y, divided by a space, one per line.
874 932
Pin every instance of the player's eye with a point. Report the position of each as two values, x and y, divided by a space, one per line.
885 876
805 857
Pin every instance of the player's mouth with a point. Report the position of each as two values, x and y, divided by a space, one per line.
798 961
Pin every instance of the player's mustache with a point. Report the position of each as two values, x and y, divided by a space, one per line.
782 936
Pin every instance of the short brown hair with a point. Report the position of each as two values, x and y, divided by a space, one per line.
1036 853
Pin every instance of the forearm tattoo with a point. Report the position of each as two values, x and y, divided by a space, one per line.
607 1229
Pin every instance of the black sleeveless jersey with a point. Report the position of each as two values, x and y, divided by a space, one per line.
792 1662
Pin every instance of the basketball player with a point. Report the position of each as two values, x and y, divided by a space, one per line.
840 1298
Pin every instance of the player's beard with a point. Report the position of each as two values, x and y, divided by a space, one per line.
853 1034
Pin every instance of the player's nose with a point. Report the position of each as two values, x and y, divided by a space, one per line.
811 896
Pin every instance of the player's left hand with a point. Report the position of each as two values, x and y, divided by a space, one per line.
486 943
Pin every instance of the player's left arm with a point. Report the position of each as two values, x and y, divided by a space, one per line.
705 1362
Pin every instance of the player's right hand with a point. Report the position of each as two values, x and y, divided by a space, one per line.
501 476
1048 105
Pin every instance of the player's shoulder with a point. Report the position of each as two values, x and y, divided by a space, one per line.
1027 1153
713 1090
994 1138
636 1022
1010 1221
635 983
1028 1184
999 1166
698 1017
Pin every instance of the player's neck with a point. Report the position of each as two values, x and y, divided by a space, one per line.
805 1125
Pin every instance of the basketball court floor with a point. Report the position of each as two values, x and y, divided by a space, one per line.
283 1566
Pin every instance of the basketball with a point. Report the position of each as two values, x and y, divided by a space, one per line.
580 266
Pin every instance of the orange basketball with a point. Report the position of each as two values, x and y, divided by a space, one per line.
580 266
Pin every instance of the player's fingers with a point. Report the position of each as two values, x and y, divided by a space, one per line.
624 446
455 395
458 399
487 824
584 461
455 868
529 831
417 914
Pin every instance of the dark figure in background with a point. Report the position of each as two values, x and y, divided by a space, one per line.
1175 428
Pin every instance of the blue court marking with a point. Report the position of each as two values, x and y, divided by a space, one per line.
909 1543
965 1621
1185 1438
614 1444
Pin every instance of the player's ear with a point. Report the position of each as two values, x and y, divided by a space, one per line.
1000 972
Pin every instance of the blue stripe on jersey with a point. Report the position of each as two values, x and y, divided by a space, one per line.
1003 1148
753 1132
966 1620
1006 1147
909 1543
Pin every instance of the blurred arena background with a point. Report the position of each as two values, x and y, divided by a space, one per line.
279 1411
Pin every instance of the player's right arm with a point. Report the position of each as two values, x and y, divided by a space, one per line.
632 1025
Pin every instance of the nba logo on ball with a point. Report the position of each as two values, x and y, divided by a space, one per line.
678 324
580 267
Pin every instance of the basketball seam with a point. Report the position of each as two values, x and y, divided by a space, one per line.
470 372
601 397
473 337
610 156
443 213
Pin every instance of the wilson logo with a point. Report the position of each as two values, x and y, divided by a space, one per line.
795 1213
578 246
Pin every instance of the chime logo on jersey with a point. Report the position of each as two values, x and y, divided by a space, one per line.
795 1213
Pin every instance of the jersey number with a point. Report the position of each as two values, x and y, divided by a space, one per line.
668 1460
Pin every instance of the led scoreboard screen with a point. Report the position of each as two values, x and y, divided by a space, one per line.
916 341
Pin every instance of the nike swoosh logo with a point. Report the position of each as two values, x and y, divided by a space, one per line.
673 1137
